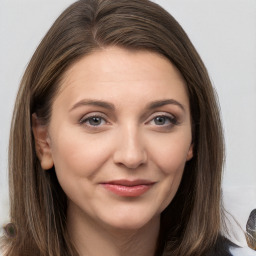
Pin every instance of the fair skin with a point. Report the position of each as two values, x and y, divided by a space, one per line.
119 138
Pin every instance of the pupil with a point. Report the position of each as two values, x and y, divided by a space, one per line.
160 120
95 120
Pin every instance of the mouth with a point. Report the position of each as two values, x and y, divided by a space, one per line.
128 188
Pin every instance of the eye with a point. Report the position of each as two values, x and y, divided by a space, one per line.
163 120
93 121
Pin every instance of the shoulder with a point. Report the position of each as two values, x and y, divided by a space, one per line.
242 251
224 247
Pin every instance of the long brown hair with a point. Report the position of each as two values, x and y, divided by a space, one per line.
190 225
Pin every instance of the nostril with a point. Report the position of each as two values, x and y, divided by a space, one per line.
131 159
130 149
131 162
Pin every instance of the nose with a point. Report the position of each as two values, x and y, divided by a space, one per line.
130 150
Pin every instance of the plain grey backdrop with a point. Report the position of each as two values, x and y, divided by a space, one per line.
224 33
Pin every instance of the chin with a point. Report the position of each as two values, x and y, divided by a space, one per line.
130 221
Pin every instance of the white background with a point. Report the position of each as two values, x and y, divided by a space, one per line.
224 33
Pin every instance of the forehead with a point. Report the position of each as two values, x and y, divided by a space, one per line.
116 71
119 60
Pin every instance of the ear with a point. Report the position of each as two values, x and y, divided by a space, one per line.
190 152
42 143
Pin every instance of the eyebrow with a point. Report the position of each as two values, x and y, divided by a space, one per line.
160 103
110 106
98 103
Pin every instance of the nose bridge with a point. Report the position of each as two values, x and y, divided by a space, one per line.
130 149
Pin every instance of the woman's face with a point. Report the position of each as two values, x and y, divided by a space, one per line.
120 136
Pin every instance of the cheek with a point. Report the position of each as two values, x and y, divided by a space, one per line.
170 158
171 153
172 172
170 189
77 161
77 154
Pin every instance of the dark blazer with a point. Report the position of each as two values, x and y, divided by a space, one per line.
225 247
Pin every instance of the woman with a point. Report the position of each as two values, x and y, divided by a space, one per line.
116 145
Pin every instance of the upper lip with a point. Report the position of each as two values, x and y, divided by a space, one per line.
129 183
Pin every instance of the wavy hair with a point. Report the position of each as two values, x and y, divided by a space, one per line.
191 223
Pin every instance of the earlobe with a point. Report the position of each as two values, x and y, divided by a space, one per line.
42 143
190 152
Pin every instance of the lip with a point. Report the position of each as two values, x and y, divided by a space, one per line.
128 188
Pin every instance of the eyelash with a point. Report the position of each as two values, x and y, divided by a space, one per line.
171 119
89 118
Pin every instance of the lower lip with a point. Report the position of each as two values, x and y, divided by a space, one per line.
128 191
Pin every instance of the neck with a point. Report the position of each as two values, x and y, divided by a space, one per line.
93 239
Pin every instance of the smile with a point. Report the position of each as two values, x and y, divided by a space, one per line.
128 188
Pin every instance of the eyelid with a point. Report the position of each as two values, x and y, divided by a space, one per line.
93 114
164 114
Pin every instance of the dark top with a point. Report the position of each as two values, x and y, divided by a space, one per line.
225 247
